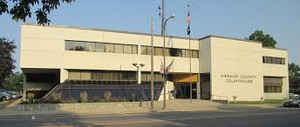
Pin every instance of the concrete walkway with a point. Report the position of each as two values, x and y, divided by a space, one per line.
128 107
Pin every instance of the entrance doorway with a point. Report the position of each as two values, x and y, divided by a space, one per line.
205 86
183 90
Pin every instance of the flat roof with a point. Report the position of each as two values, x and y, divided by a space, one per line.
106 30
148 34
245 40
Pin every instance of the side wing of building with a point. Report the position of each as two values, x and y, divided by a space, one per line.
244 70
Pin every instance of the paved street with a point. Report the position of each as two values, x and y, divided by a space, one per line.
280 117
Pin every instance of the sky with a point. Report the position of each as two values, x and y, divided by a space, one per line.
231 18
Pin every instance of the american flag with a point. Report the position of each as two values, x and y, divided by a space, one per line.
188 18
188 21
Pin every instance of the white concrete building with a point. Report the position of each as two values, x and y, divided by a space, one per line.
224 68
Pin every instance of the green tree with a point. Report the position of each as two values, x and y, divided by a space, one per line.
266 39
6 59
294 75
23 9
14 82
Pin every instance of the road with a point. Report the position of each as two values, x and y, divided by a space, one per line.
280 117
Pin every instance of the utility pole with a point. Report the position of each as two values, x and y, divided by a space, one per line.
190 54
162 16
164 57
152 63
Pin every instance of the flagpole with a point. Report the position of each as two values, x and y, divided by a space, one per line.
152 73
191 84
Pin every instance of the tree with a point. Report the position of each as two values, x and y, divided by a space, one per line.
294 75
266 39
23 9
14 82
6 60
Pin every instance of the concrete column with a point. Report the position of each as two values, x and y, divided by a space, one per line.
63 75
24 88
139 74
139 50
198 88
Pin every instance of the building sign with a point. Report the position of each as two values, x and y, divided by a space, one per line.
235 78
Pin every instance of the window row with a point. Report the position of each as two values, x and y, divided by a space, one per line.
273 60
111 76
272 89
159 51
101 47
128 49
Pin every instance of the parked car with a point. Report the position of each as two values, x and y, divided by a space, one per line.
292 96
13 94
293 102
4 96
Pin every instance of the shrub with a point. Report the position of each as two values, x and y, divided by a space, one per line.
107 95
56 97
83 96
30 97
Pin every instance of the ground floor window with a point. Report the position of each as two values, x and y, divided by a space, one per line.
272 84
111 75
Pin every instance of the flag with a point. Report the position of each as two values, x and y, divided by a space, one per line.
188 21
188 18
188 30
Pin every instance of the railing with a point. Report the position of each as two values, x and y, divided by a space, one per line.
51 91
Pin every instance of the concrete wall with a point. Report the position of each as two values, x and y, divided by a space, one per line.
236 70
44 47
205 55
277 70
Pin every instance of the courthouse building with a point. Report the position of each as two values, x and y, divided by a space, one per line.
222 68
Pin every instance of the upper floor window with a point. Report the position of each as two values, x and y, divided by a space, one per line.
158 51
101 47
273 60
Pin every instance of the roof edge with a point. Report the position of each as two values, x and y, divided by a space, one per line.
231 38
106 30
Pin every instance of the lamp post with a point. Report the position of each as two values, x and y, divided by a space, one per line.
139 73
164 59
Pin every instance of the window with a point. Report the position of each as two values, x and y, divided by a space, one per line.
111 75
167 52
158 51
195 54
189 53
273 60
85 75
90 47
127 49
119 48
175 52
99 47
74 76
109 48
184 53
145 50
134 49
76 46
272 84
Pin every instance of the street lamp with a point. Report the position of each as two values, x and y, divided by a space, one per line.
139 71
164 59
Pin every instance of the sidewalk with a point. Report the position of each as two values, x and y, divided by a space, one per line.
126 107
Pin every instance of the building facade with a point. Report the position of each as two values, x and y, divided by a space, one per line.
220 68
